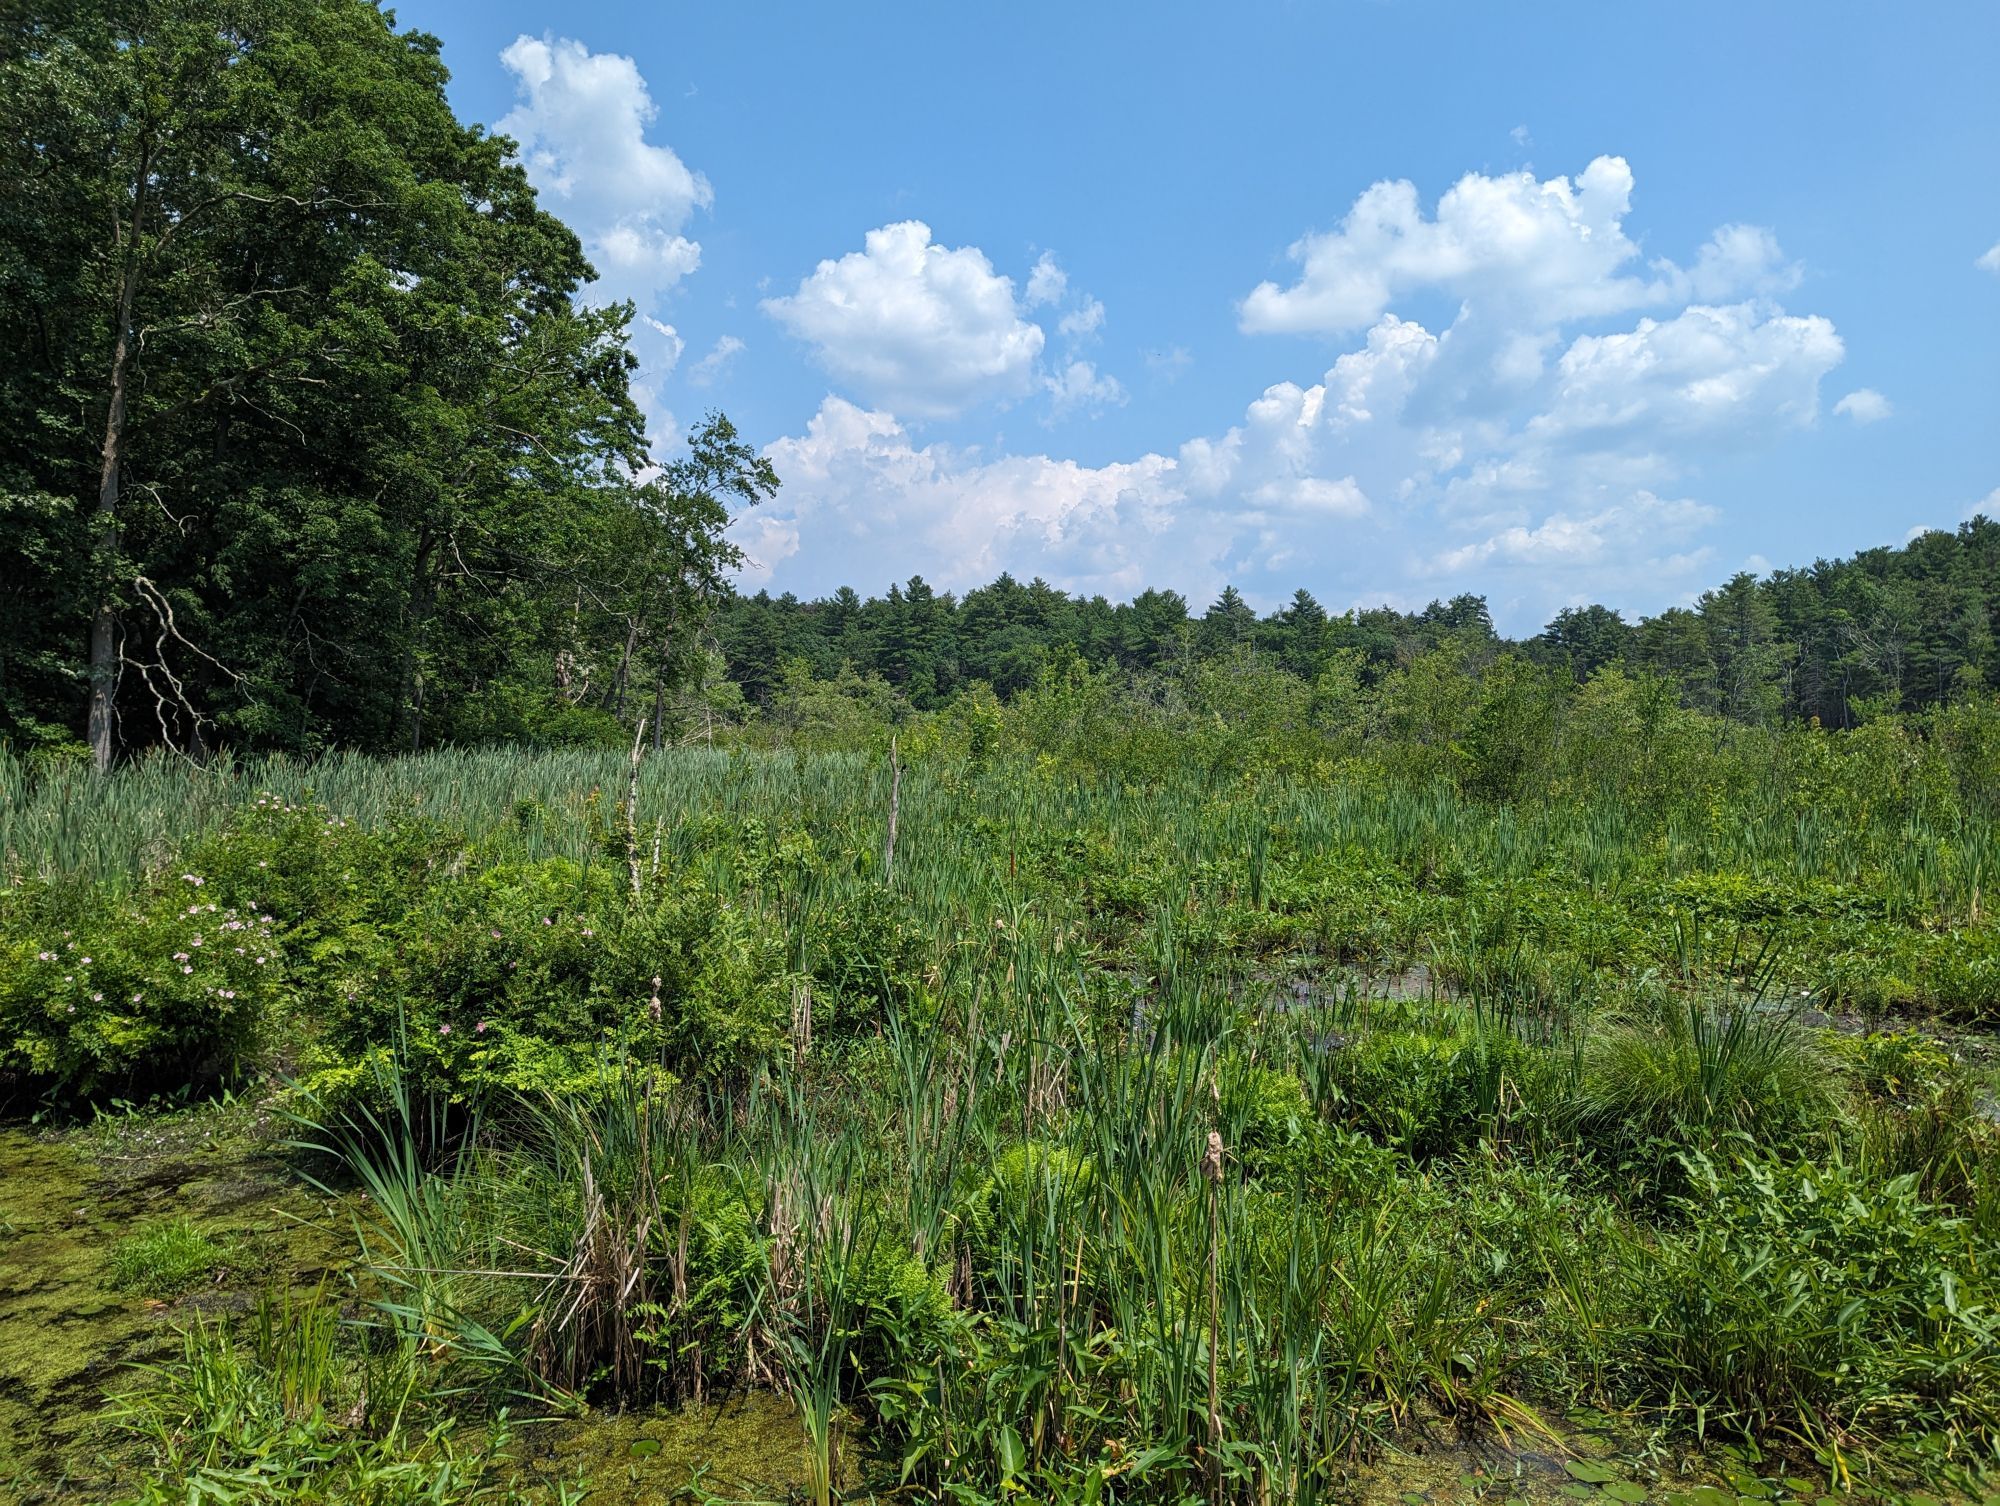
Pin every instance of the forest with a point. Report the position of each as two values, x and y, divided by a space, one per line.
491 1011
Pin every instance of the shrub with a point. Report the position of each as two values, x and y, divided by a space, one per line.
866 959
162 989
525 978
1266 1119
333 887
1428 1094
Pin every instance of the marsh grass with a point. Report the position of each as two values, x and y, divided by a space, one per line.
955 1205
1676 1070
288 1407
167 1260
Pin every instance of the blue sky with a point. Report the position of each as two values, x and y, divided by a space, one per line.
1556 303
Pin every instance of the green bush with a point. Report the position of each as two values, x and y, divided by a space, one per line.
526 977
334 888
1428 1094
158 990
866 959
1267 1122
1816 1299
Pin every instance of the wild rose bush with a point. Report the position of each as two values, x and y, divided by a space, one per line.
530 976
163 988
292 927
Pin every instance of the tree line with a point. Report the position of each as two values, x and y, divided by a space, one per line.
1886 630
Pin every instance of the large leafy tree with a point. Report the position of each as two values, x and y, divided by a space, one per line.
311 440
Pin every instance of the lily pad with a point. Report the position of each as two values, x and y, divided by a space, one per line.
1590 1471
1627 1491
1702 1495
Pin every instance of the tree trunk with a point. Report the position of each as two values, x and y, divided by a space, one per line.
104 521
423 596
624 679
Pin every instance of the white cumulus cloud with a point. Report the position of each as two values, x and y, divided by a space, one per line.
1713 372
1626 533
875 507
1990 260
581 121
923 329
1864 405
1542 442
1536 251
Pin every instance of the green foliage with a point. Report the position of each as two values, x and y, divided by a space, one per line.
165 1260
269 1416
1816 1300
370 466
1458 1056
866 958
528 977
1428 1094
101 992
1674 1071
1891 630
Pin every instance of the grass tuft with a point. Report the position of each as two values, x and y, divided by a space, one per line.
166 1260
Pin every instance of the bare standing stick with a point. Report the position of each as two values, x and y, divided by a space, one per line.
895 799
1211 1171
632 808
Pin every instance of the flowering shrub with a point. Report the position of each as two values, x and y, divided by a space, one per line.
336 890
164 988
526 976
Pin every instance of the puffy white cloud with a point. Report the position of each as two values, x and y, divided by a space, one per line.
581 122
1380 375
1990 261
1714 372
923 329
1555 245
1539 444
1079 386
1543 253
1047 282
878 508
1865 406
712 365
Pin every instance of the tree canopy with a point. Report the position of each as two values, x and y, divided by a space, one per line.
312 436
1889 629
